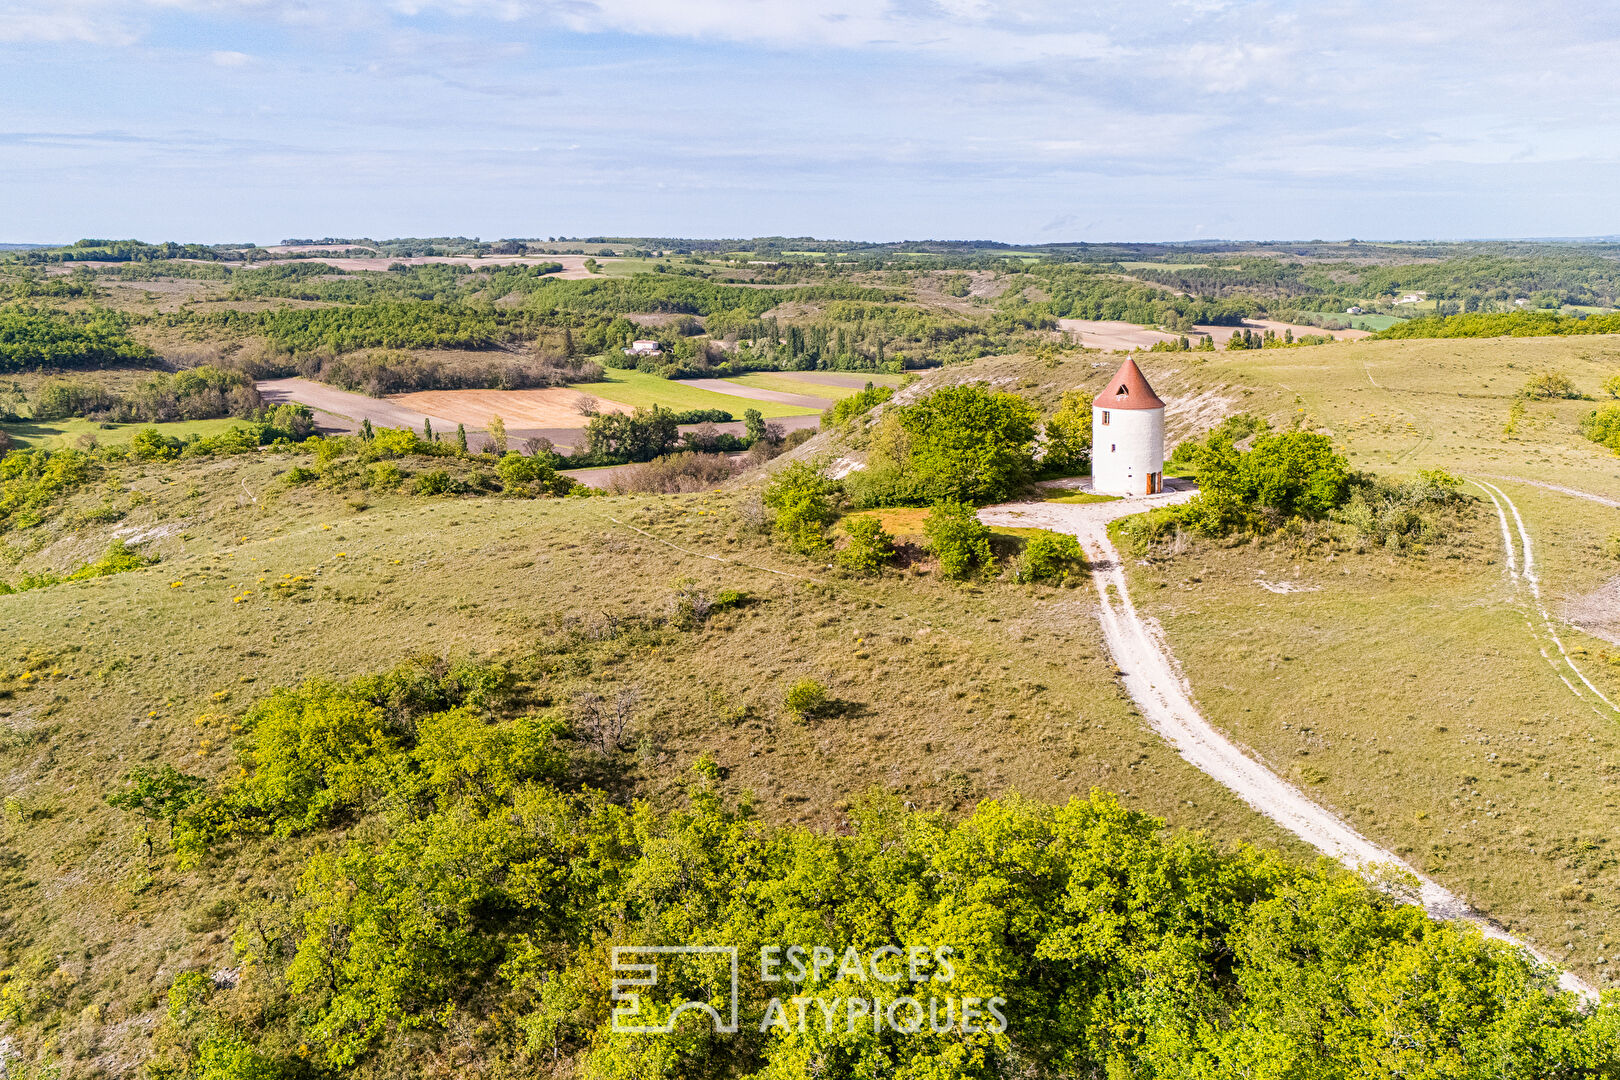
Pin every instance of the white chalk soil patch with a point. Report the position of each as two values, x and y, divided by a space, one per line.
1155 683
1597 613
1285 586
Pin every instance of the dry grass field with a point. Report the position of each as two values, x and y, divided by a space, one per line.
1411 693
944 694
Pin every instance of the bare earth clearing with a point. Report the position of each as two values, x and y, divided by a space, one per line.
1154 682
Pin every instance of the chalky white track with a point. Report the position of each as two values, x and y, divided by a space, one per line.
1154 682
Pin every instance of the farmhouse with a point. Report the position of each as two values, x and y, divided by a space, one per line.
643 348
1127 436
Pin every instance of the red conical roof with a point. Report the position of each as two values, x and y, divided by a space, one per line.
1128 389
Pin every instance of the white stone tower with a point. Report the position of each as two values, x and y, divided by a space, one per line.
1127 436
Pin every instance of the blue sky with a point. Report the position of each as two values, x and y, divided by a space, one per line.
1025 121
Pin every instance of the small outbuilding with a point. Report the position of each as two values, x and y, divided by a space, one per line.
1127 436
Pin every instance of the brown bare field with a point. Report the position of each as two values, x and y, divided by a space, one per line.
552 407
1110 335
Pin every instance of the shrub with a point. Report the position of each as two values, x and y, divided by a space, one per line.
437 482
686 471
856 405
534 475
806 699
1283 476
1400 516
1049 556
385 476
1551 386
958 539
1602 425
119 559
32 482
150 444
394 442
1611 386
802 499
298 474
869 547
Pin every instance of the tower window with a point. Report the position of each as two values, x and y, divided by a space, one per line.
1105 418
1112 448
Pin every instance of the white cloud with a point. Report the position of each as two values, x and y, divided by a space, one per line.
227 58
86 23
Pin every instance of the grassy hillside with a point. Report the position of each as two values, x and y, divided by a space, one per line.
944 696
1411 694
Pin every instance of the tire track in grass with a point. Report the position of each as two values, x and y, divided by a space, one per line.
1154 682
1524 570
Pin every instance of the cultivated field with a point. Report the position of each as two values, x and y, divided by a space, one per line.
551 407
641 390
1114 336
829 385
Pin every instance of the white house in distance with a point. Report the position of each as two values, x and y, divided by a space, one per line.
1127 436
643 348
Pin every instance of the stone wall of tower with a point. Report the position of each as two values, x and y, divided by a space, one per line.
1127 448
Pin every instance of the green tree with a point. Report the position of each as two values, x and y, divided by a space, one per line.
461 437
638 436
1067 442
753 425
970 444
160 794
958 539
497 435
1296 473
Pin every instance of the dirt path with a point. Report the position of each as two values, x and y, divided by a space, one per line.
1562 490
725 386
1154 682
1522 569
